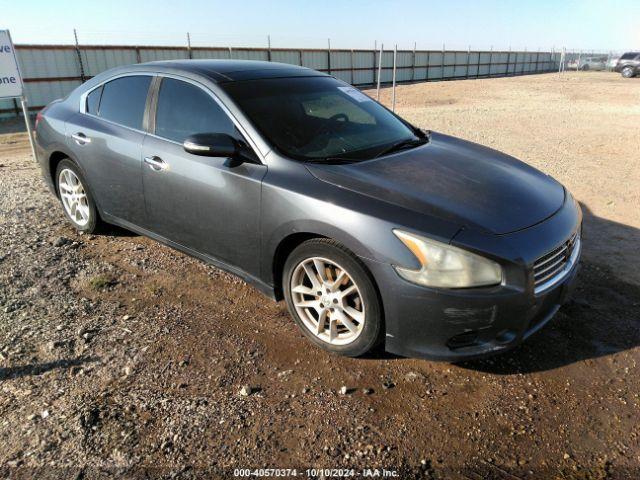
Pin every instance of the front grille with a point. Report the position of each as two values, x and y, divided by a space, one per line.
554 262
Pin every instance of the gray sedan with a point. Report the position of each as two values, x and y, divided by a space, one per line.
374 232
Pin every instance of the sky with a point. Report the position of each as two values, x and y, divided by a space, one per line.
575 24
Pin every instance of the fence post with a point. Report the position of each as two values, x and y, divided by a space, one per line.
536 69
75 36
442 64
352 79
375 69
393 95
578 63
269 48
413 63
138 56
329 55
189 54
468 60
426 75
490 61
508 61
379 71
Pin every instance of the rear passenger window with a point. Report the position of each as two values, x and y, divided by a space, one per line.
123 100
184 109
93 101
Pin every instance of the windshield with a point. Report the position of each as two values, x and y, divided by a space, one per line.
313 118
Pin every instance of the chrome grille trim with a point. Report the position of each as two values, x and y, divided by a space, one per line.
554 266
557 261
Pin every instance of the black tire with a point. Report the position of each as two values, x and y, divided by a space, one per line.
627 72
94 222
373 326
585 68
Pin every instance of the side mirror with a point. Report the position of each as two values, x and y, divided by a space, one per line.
211 145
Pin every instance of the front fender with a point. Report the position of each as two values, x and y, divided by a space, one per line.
362 224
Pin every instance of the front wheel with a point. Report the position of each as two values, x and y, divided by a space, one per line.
332 297
627 72
76 200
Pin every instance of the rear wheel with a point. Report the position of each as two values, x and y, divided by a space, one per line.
332 297
77 203
627 72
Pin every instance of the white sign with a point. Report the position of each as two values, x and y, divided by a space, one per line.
10 80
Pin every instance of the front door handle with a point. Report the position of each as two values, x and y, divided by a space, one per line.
156 163
81 138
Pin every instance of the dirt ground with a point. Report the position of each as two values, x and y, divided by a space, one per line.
122 358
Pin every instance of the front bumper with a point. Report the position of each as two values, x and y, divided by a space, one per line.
462 328
455 325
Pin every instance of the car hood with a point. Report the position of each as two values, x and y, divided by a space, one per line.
453 179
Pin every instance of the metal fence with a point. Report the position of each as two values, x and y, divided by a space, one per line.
52 71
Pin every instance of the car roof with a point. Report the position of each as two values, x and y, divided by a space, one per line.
221 71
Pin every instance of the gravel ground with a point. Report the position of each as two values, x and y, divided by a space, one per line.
122 358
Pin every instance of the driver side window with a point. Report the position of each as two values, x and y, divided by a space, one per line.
185 109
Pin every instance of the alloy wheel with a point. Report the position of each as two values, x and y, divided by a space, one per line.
73 196
327 300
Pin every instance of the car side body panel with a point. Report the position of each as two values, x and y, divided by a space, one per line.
206 203
114 155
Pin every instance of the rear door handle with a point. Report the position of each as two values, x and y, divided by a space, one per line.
80 138
156 163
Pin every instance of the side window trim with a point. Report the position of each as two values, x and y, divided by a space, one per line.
83 99
86 101
155 88
149 119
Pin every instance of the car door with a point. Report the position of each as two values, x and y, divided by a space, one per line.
207 204
106 138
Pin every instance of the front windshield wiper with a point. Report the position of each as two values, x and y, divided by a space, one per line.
334 160
402 144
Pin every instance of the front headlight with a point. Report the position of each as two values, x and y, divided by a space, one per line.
445 266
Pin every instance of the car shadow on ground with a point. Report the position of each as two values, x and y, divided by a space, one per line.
40 368
109 230
601 318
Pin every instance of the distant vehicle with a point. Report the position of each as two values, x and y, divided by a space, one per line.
371 229
629 64
613 61
588 63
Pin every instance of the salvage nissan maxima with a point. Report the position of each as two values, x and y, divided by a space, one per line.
372 230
